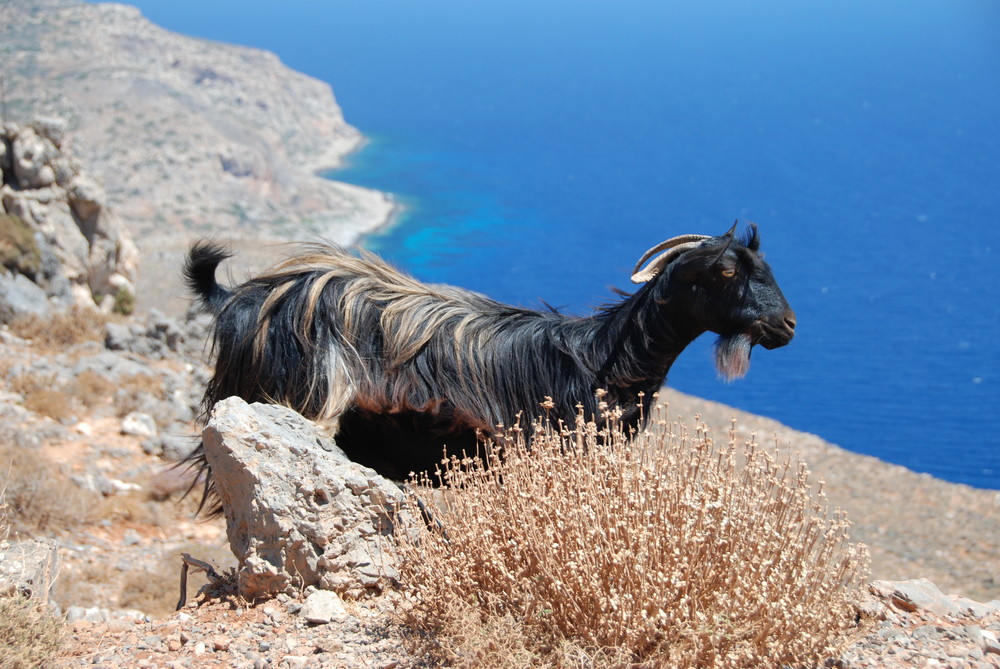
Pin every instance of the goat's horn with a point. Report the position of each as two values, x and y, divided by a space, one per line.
674 247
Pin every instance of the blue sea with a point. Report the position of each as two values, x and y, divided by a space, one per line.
540 147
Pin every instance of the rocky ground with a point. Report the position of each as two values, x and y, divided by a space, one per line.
117 410
934 631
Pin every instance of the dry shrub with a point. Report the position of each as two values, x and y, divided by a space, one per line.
93 388
63 328
28 637
150 384
42 395
663 550
38 496
29 382
51 402
18 248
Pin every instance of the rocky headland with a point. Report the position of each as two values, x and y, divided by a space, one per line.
188 137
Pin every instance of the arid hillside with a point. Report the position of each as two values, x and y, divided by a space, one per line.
188 137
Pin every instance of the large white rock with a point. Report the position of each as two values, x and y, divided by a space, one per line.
298 511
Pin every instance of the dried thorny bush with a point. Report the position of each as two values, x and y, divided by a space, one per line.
603 548
28 636
38 497
50 402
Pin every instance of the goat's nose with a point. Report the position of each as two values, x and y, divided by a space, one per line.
790 320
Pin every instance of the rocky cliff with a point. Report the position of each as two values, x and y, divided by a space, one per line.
60 242
186 135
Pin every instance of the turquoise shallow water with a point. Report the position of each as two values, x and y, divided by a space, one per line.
540 148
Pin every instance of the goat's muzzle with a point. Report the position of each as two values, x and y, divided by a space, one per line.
732 352
774 334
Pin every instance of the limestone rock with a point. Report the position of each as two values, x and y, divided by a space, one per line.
322 607
31 155
20 297
139 424
157 335
84 252
4 161
30 567
298 511
914 595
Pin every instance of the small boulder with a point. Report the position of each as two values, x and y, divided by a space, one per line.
20 297
139 424
322 607
31 155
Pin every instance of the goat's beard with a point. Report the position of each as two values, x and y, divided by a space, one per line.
732 356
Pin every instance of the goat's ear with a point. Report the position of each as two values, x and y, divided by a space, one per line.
753 238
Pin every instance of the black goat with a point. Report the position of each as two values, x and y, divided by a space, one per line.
399 368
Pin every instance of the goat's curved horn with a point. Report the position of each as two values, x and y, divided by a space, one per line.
674 247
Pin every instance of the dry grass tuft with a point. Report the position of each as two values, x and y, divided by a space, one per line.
62 329
28 382
591 549
51 402
43 395
92 388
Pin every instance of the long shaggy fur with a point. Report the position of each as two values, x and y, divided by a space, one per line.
328 331
397 368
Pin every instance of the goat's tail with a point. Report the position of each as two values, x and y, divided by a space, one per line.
199 274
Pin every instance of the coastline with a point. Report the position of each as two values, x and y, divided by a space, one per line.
386 208
361 212
373 210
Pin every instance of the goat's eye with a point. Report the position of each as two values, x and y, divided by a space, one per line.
729 272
